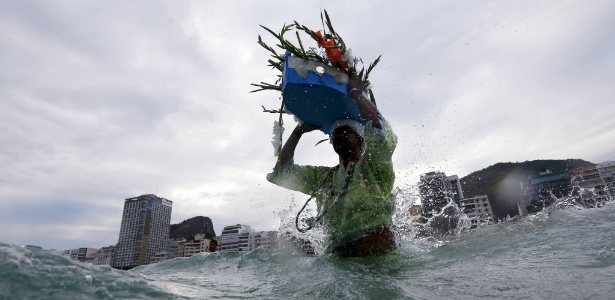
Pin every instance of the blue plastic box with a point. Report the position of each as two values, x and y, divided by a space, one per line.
317 93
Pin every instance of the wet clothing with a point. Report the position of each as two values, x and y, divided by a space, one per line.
368 203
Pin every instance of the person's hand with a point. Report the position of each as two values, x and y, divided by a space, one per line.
304 127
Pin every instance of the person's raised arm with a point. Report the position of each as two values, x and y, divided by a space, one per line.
288 150
367 109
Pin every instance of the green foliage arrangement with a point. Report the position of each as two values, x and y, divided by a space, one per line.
335 54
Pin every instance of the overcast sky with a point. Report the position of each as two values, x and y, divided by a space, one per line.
106 100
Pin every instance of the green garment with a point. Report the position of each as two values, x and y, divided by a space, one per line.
368 202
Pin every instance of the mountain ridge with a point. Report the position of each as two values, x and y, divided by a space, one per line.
502 182
188 228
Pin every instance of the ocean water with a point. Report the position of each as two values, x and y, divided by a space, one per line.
560 253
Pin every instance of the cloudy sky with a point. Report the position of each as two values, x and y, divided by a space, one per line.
105 100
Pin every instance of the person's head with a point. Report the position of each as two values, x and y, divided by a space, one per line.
347 139
213 245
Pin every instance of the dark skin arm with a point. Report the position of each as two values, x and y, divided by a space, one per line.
288 150
368 111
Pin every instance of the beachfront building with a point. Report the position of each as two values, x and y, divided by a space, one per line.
175 248
246 240
242 238
81 254
198 245
296 243
456 192
435 191
229 239
545 188
265 239
478 210
86 254
104 256
71 253
607 173
158 257
594 185
144 230
589 187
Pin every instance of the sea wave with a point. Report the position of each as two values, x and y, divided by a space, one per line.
555 254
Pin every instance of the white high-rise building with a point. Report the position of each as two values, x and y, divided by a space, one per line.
265 239
478 210
607 173
242 238
230 238
144 231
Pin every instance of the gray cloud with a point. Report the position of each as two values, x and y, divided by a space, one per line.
104 101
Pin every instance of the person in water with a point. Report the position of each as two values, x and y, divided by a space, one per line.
357 193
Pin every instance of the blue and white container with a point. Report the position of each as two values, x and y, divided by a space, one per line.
317 93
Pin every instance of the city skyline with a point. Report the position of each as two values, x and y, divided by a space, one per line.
596 181
107 100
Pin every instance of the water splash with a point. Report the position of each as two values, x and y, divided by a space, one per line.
412 230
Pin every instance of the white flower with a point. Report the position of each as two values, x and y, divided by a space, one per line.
347 57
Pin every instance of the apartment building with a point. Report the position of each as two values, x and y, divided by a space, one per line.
478 210
144 230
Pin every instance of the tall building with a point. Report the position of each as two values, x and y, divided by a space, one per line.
478 210
246 241
607 173
265 239
545 188
456 192
229 239
595 184
590 188
435 191
144 231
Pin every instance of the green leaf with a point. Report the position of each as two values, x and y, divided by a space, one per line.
319 142
271 31
300 44
371 95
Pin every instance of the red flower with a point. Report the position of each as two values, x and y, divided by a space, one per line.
333 54
319 39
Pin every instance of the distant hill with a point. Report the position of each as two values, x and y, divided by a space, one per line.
502 182
188 228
